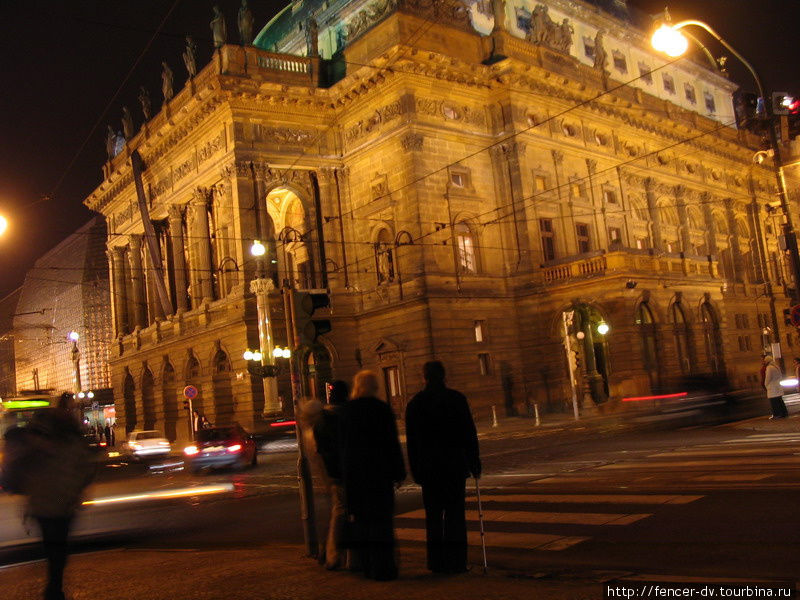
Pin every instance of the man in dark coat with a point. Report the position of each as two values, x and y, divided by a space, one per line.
443 451
372 465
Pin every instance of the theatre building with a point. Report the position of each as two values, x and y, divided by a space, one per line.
520 189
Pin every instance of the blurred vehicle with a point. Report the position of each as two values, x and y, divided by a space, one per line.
221 447
143 444
275 429
94 441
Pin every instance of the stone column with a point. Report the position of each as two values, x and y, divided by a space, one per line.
655 216
175 213
683 217
736 254
137 282
201 245
119 290
711 233
154 307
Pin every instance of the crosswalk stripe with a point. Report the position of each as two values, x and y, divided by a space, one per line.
520 516
590 498
761 461
531 541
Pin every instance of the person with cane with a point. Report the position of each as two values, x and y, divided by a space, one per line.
442 446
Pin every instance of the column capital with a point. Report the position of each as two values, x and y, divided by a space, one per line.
175 212
261 285
135 240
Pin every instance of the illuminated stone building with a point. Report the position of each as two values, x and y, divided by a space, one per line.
478 182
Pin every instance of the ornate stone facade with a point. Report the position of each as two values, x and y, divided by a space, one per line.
483 213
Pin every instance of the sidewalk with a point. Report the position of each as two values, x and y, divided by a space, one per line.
270 572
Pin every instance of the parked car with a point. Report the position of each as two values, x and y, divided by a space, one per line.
221 447
144 444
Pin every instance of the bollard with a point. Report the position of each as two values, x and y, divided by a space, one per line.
536 412
494 417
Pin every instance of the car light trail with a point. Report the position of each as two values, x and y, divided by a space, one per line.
661 397
202 490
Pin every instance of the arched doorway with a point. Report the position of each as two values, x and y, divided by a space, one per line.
169 395
584 335
681 336
148 400
649 338
292 249
223 389
129 400
711 339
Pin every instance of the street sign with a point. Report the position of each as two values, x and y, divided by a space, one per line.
190 392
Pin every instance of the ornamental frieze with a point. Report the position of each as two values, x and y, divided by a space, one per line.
184 169
452 12
283 135
412 142
450 111
211 147
380 116
368 17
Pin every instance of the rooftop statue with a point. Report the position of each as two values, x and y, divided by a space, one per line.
312 38
189 57
245 25
127 123
111 143
600 54
218 28
499 9
166 81
144 99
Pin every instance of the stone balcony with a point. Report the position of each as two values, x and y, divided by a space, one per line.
629 261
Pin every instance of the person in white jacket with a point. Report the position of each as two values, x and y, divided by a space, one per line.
772 382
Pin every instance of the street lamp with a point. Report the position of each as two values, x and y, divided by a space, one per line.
261 286
669 39
3 224
73 337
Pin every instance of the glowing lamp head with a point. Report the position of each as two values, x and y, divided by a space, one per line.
3 224
277 352
580 335
603 328
257 249
73 336
248 355
670 41
286 353
257 355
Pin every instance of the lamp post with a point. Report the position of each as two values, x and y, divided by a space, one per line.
669 40
73 337
261 287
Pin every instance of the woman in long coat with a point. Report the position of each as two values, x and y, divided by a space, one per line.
372 465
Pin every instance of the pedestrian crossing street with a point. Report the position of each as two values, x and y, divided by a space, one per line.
534 514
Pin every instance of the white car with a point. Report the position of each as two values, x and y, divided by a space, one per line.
146 444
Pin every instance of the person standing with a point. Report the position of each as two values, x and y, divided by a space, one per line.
59 469
442 446
372 464
326 436
772 383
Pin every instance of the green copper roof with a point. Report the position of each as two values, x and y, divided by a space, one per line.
284 23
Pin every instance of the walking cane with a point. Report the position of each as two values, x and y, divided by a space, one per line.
480 520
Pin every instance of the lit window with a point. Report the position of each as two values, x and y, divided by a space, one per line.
576 189
480 331
610 196
457 179
614 236
642 243
540 183
466 248
483 363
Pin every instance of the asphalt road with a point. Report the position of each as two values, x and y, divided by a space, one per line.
601 501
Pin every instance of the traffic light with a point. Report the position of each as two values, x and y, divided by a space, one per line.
305 304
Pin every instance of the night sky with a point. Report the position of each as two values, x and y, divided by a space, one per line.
63 63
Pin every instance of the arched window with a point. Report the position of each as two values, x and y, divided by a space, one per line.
299 259
680 332
640 210
720 226
384 257
708 318
465 243
647 331
669 215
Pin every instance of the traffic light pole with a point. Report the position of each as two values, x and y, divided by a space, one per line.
304 483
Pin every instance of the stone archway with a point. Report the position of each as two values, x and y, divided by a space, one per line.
587 352
148 400
129 401
317 371
169 395
712 339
